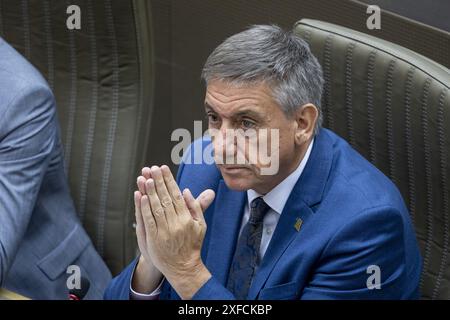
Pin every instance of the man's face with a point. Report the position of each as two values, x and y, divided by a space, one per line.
231 108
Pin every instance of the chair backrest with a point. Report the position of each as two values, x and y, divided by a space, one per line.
101 76
393 106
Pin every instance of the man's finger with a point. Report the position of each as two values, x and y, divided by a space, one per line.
146 173
163 194
206 198
156 208
137 206
141 184
194 206
173 189
140 228
150 223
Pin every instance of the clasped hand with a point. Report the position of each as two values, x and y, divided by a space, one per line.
170 229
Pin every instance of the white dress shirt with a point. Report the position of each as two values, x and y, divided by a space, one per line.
276 199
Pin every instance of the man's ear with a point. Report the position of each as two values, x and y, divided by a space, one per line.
306 118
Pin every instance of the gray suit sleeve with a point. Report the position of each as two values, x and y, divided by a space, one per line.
28 133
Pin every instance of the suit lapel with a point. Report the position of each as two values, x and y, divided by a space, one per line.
284 234
306 194
225 226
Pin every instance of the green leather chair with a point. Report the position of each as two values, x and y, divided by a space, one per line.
102 77
393 106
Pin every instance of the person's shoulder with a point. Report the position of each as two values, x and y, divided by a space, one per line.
354 178
17 75
198 169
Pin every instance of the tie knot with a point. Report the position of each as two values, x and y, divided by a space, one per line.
258 209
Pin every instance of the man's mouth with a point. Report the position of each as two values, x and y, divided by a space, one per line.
232 169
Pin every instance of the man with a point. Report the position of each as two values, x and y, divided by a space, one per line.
326 225
40 234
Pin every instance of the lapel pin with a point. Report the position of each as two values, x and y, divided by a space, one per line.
298 224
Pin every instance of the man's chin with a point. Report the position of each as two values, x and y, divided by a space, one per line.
237 183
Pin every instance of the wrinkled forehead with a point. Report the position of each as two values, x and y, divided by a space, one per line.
228 98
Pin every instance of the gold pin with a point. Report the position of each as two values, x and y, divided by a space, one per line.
298 224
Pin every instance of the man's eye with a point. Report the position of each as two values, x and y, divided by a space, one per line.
247 124
212 118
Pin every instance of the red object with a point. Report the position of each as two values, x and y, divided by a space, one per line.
73 297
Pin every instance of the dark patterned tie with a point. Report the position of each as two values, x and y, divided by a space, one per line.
245 258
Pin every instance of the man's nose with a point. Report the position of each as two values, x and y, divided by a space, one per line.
224 141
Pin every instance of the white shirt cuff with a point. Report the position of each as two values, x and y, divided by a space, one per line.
143 296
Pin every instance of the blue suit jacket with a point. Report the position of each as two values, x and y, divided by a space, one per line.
353 218
40 234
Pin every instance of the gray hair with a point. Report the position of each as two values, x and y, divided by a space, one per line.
268 54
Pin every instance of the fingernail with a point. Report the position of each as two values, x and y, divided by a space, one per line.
146 169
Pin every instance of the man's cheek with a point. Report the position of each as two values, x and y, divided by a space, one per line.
247 151
218 153
269 152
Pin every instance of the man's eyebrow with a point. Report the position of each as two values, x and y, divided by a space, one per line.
241 113
208 107
248 112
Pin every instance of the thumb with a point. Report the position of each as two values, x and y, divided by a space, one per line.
198 206
206 198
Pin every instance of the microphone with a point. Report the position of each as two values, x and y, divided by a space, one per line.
79 294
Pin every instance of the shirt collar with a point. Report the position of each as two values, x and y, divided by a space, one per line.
278 196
